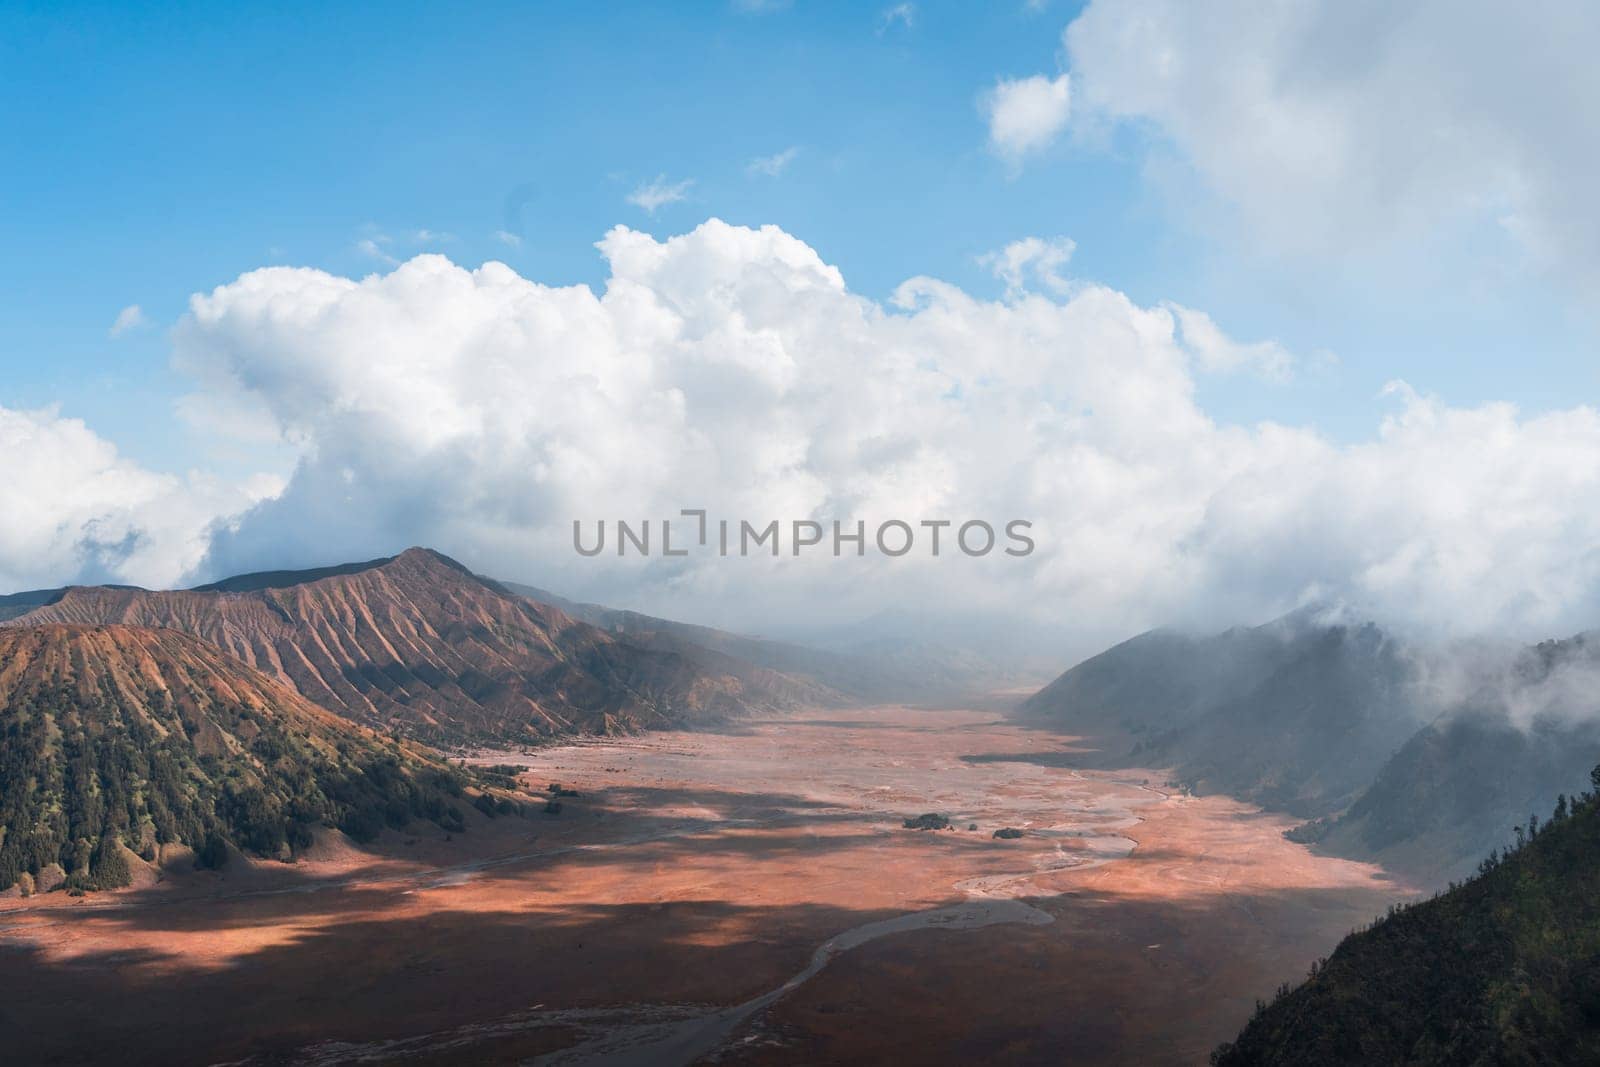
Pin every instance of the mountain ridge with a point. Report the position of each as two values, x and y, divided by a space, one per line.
418 644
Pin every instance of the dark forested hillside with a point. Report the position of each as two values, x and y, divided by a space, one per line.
1502 969
116 742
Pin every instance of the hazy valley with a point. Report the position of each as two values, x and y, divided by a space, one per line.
518 829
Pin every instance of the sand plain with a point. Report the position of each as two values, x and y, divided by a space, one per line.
747 896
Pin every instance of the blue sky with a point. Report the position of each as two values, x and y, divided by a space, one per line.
159 150
1273 212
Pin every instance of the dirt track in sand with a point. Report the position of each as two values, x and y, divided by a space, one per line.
669 911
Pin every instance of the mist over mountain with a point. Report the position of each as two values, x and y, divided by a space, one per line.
1157 680
1297 714
1421 757
870 661
1456 789
418 644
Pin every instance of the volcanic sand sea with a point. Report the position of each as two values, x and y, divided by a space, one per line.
747 896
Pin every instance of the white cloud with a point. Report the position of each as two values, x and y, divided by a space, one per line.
129 318
733 369
772 165
1026 115
71 508
506 237
1329 127
659 193
1218 353
1037 257
905 14
374 248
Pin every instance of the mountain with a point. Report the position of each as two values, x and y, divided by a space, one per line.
1155 681
1345 726
1298 714
419 645
837 675
257 580
116 742
1455 788
1502 969
1310 736
13 605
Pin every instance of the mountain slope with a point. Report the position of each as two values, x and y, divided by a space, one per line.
1457 786
835 675
256 580
420 645
1312 734
1503 969
1155 681
13 605
117 736
1297 714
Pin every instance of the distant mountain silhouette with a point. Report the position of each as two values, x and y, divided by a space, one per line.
862 677
1329 721
1297 714
13 605
1457 787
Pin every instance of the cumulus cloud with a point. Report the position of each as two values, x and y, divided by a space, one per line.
1026 115
73 509
733 369
1038 258
1217 352
129 318
1329 126
659 193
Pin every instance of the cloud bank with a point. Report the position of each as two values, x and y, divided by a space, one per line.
72 508
1331 126
733 369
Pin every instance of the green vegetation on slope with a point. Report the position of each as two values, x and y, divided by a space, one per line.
1502 969
116 736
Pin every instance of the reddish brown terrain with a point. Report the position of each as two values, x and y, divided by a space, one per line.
747 895
419 645
131 663
124 749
